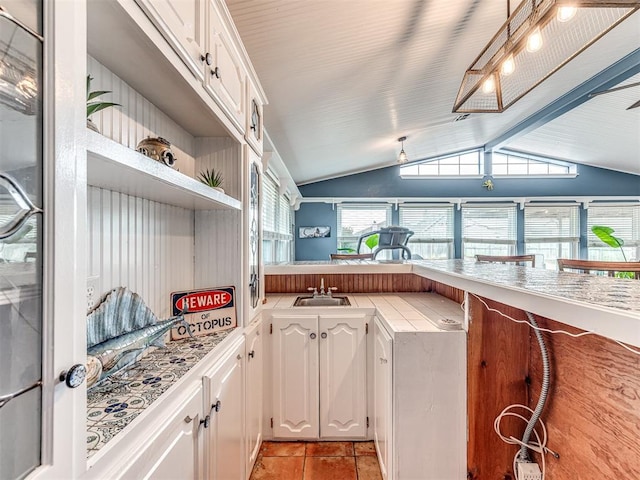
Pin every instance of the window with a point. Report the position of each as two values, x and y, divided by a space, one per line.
277 239
516 165
433 230
355 220
625 221
488 230
552 232
463 164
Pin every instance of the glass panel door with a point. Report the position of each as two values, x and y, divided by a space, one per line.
21 262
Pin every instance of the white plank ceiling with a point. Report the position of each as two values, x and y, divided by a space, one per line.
345 79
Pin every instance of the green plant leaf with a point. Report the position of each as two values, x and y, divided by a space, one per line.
95 94
604 234
96 107
372 241
625 275
346 250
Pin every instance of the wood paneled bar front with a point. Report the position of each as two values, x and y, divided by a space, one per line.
592 413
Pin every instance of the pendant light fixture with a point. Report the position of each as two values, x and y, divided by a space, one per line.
538 38
402 157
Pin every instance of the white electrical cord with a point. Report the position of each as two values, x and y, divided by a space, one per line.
540 445
540 329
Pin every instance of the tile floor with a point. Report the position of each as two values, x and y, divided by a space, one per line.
317 461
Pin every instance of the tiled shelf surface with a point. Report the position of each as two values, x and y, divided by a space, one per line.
116 402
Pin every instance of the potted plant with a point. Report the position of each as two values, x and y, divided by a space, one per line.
605 234
212 178
95 106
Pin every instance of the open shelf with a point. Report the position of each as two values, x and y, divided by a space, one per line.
121 169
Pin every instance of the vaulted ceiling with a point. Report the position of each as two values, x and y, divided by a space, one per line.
346 79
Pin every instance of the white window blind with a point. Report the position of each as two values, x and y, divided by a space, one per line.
552 232
625 221
488 230
433 229
357 219
276 223
269 203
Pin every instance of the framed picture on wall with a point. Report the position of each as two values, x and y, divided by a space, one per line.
314 232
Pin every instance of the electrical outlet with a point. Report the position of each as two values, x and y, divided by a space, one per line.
92 292
529 471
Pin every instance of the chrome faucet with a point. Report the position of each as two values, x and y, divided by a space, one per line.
323 292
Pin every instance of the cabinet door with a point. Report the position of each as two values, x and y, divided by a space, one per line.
226 439
295 376
254 119
343 376
182 23
226 76
382 406
254 395
176 452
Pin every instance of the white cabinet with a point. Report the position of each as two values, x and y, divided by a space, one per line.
254 129
343 374
253 396
225 77
420 402
319 373
224 395
382 378
176 451
182 23
295 376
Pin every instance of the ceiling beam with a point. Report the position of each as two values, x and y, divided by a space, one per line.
623 69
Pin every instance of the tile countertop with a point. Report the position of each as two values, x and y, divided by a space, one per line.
402 312
604 305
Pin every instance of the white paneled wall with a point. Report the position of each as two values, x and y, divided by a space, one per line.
137 118
218 248
143 245
224 155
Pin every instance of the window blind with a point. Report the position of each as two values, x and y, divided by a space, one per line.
354 220
551 223
269 203
284 216
489 224
429 223
624 219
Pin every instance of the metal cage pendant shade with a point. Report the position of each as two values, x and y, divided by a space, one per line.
538 38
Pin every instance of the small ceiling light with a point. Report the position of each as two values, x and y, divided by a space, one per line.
489 85
508 66
402 157
566 13
554 23
534 41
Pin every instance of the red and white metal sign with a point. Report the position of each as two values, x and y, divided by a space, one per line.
207 311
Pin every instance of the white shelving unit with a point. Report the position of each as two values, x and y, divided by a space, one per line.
115 167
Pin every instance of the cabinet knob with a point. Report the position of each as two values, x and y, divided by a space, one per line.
216 406
74 377
188 419
383 360
323 334
215 72
313 336
207 58
206 421
239 357
251 354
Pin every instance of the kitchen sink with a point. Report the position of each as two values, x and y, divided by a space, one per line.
321 301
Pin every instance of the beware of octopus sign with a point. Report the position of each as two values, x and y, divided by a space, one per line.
207 311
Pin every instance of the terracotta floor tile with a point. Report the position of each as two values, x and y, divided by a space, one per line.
330 468
278 468
364 448
329 449
282 449
368 468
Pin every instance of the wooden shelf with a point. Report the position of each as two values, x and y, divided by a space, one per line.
121 169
